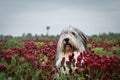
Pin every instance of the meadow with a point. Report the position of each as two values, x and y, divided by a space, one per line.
35 60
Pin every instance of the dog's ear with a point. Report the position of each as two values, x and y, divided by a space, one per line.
83 37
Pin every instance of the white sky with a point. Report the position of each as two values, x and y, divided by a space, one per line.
90 16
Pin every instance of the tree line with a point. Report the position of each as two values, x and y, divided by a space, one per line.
107 35
29 36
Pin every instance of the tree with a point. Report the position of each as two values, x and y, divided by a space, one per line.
23 36
29 36
8 37
36 37
47 28
1 37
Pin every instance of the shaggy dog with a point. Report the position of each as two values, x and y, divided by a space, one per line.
71 40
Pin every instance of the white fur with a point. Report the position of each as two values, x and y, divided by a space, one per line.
76 38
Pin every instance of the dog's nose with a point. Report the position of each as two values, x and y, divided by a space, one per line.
66 39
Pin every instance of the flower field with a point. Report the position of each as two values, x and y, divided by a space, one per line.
35 60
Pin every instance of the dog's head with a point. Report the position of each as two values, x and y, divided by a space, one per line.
72 39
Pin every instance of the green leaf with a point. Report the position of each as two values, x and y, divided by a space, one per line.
13 61
99 50
39 44
36 76
117 51
3 76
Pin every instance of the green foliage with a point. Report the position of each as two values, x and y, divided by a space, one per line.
3 76
13 61
99 50
11 43
14 44
102 51
108 53
36 76
39 43
117 51
2 45
97 39
110 41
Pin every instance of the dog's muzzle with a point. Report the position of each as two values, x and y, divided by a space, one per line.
67 45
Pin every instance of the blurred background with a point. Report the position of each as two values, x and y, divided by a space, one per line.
43 18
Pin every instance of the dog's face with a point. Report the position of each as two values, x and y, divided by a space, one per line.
71 40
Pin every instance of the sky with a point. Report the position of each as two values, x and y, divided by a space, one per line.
33 16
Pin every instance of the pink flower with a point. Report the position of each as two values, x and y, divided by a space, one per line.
62 62
7 57
71 56
29 77
48 62
104 67
78 64
84 70
67 62
70 71
77 71
79 58
29 57
3 68
114 52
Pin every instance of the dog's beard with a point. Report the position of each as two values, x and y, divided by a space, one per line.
68 47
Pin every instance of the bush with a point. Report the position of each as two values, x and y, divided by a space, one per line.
14 44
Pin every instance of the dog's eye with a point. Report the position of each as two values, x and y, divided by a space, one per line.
73 33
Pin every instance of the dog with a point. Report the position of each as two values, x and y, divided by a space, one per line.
71 40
